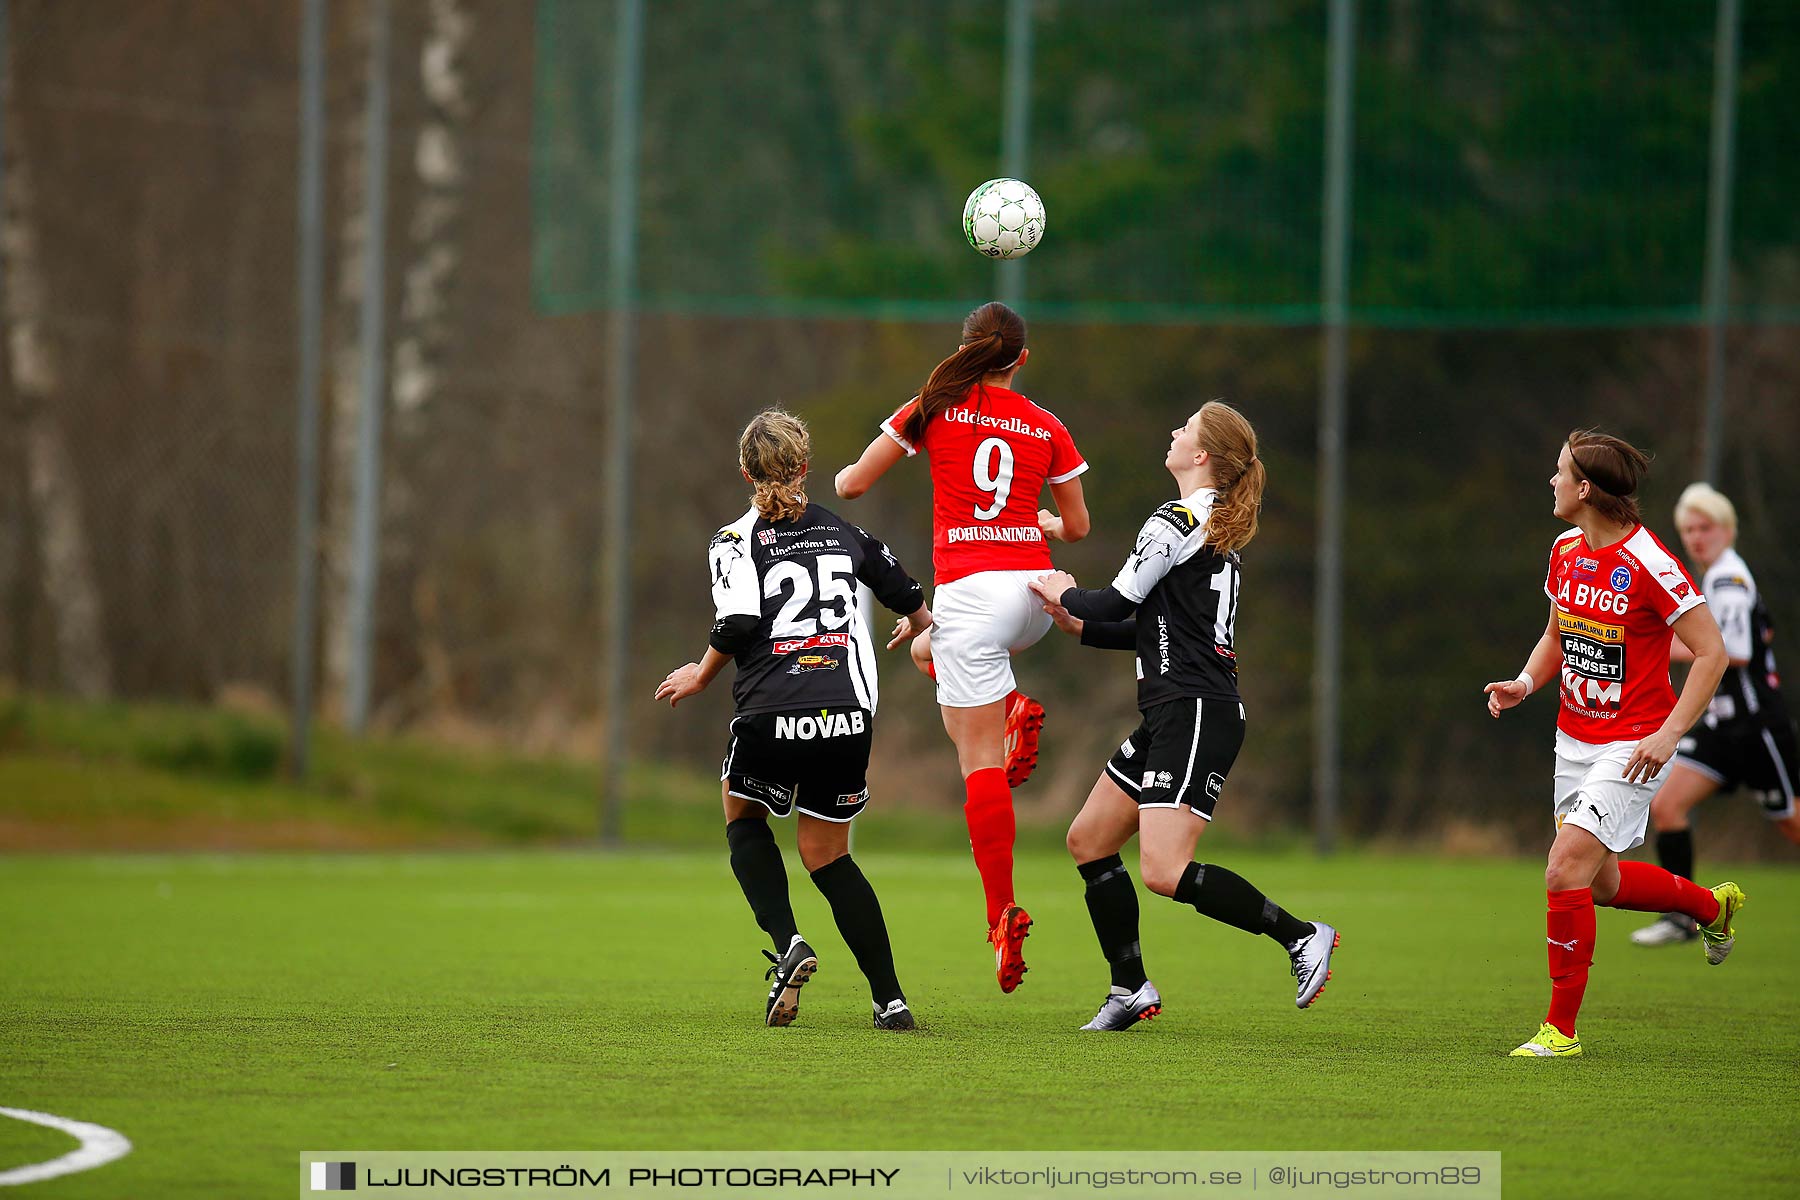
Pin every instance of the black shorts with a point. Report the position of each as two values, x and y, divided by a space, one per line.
816 758
1756 757
1180 755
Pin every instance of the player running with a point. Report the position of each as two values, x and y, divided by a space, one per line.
784 585
992 451
1747 735
1615 595
1175 603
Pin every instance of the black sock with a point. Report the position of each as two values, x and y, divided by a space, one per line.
1675 851
1228 897
756 861
858 916
1113 906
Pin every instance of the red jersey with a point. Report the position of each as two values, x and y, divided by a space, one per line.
1614 609
991 455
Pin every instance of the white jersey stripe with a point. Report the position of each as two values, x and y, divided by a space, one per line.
861 675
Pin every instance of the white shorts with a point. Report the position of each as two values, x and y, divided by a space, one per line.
977 623
1593 794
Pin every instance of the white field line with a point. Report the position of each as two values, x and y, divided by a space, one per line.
99 1146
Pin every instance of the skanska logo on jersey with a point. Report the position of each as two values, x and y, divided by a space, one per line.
825 725
968 416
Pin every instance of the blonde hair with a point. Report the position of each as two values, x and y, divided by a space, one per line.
773 451
1710 503
1237 473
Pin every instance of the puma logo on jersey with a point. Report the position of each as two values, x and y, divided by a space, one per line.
825 725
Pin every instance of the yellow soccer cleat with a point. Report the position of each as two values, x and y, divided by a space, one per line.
1549 1043
1718 937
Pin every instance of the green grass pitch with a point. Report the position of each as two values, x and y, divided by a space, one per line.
226 1013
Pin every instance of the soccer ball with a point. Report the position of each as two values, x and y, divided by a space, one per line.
1003 218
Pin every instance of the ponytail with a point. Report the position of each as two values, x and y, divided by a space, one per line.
993 337
1238 475
1614 468
773 451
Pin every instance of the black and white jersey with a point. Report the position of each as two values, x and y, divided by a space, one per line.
1750 695
785 596
1185 597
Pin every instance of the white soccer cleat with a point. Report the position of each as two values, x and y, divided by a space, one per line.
1666 930
1311 958
1126 1010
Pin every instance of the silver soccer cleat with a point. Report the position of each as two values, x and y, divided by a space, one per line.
1311 958
1125 1010
1666 930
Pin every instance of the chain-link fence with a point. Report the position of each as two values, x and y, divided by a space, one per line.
1529 200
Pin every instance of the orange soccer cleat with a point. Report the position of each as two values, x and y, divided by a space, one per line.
1024 721
1008 939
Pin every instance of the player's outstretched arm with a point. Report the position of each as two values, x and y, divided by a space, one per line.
691 679
1543 663
911 625
861 475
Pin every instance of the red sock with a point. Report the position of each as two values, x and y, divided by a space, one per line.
1647 888
1570 925
989 812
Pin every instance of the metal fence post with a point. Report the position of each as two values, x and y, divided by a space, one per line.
628 66
310 252
1716 292
1329 584
366 521
1015 146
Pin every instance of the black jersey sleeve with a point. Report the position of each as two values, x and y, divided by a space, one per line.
1097 604
733 635
884 575
1110 635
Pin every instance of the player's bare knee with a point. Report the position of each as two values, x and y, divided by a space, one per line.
1083 845
815 857
822 847
1561 875
1161 877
